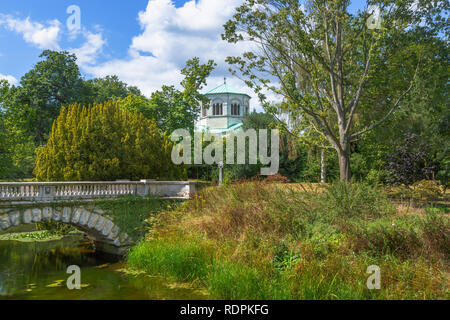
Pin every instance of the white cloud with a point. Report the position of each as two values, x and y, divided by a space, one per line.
12 80
89 52
44 37
48 37
170 36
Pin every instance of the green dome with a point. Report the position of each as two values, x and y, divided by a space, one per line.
225 88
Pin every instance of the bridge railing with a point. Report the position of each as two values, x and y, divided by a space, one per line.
61 191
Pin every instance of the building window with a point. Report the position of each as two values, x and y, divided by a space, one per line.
235 109
204 111
217 109
247 109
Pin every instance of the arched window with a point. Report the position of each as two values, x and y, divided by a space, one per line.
235 109
217 109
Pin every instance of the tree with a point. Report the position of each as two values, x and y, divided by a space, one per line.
16 147
5 156
324 58
424 112
109 88
291 157
195 75
52 83
104 143
171 108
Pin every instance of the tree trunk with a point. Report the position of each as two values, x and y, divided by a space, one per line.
323 167
344 164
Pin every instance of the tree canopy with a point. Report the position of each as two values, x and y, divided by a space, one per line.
104 143
325 60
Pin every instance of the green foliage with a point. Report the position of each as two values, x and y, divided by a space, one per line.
170 108
135 103
131 214
267 241
346 200
55 228
5 156
311 170
110 88
104 143
181 260
291 155
235 281
17 147
330 67
174 109
52 83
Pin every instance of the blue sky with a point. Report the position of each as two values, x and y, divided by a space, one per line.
144 42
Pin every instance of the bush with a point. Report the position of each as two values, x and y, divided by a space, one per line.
277 178
404 236
410 161
356 200
105 143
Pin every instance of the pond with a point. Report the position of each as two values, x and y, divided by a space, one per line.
37 270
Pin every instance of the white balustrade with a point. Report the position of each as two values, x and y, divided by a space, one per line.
85 191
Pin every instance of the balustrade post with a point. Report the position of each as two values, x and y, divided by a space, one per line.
146 187
46 192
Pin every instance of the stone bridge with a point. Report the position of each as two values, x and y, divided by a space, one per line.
71 203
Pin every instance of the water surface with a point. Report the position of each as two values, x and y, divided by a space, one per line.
37 270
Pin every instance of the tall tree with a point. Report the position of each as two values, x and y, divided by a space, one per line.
53 82
323 58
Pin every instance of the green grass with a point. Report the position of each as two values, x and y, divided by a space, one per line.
183 261
269 241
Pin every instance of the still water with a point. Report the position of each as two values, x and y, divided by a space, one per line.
37 270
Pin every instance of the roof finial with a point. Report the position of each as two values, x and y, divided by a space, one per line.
225 80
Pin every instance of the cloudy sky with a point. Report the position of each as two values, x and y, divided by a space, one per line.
144 42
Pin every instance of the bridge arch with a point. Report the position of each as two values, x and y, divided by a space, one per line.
94 221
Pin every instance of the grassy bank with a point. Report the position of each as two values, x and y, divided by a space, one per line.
274 241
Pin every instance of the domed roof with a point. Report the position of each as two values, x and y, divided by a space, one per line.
225 88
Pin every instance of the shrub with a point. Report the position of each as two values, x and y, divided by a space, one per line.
386 236
404 236
427 189
104 143
345 200
410 161
277 178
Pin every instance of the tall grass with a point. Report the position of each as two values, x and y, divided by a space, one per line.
183 261
274 241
